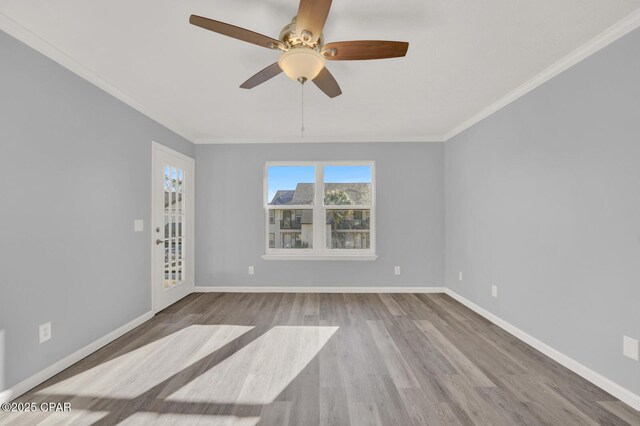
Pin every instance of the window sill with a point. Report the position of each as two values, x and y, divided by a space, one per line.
358 257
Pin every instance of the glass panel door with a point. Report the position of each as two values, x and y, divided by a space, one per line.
172 241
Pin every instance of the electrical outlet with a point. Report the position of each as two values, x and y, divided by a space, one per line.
396 270
251 270
138 225
494 290
630 348
44 332
459 276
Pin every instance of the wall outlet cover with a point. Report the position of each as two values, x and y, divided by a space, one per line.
630 348
396 270
44 332
459 276
251 270
494 290
138 225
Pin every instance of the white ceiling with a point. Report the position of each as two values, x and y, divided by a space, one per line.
463 56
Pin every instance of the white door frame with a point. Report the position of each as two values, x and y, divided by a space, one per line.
188 286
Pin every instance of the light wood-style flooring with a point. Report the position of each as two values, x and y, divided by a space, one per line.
321 359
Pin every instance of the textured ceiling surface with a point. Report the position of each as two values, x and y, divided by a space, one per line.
463 56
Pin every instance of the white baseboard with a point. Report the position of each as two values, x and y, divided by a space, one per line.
329 289
623 394
43 375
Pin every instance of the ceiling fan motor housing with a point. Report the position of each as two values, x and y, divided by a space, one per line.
291 38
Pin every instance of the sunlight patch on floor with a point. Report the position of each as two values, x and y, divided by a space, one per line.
260 371
135 372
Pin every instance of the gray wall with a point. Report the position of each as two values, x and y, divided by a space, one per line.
543 200
230 216
76 167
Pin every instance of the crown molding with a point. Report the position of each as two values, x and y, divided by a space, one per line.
418 139
31 39
613 33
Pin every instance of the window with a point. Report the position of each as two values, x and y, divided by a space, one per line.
320 210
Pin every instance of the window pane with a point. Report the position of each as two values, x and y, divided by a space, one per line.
291 185
348 229
347 185
292 229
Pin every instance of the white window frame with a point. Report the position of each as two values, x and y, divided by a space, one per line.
319 251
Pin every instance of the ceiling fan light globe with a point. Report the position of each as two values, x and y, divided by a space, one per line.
301 63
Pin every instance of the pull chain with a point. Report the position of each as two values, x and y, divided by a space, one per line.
302 80
302 109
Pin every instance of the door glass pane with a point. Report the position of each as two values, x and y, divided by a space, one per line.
347 185
291 185
173 189
167 180
167 188
348 229
179 191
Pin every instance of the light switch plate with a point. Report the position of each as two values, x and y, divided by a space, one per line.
630 348
44 332
138 225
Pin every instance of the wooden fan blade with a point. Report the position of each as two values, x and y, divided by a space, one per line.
234 32
312 15
327 83
264 75
364 49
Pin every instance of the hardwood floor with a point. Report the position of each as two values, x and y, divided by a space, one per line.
321 359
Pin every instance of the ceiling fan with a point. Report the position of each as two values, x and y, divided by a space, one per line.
303 50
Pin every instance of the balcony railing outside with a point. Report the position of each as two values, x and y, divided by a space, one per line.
290 224
343 224
353 224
